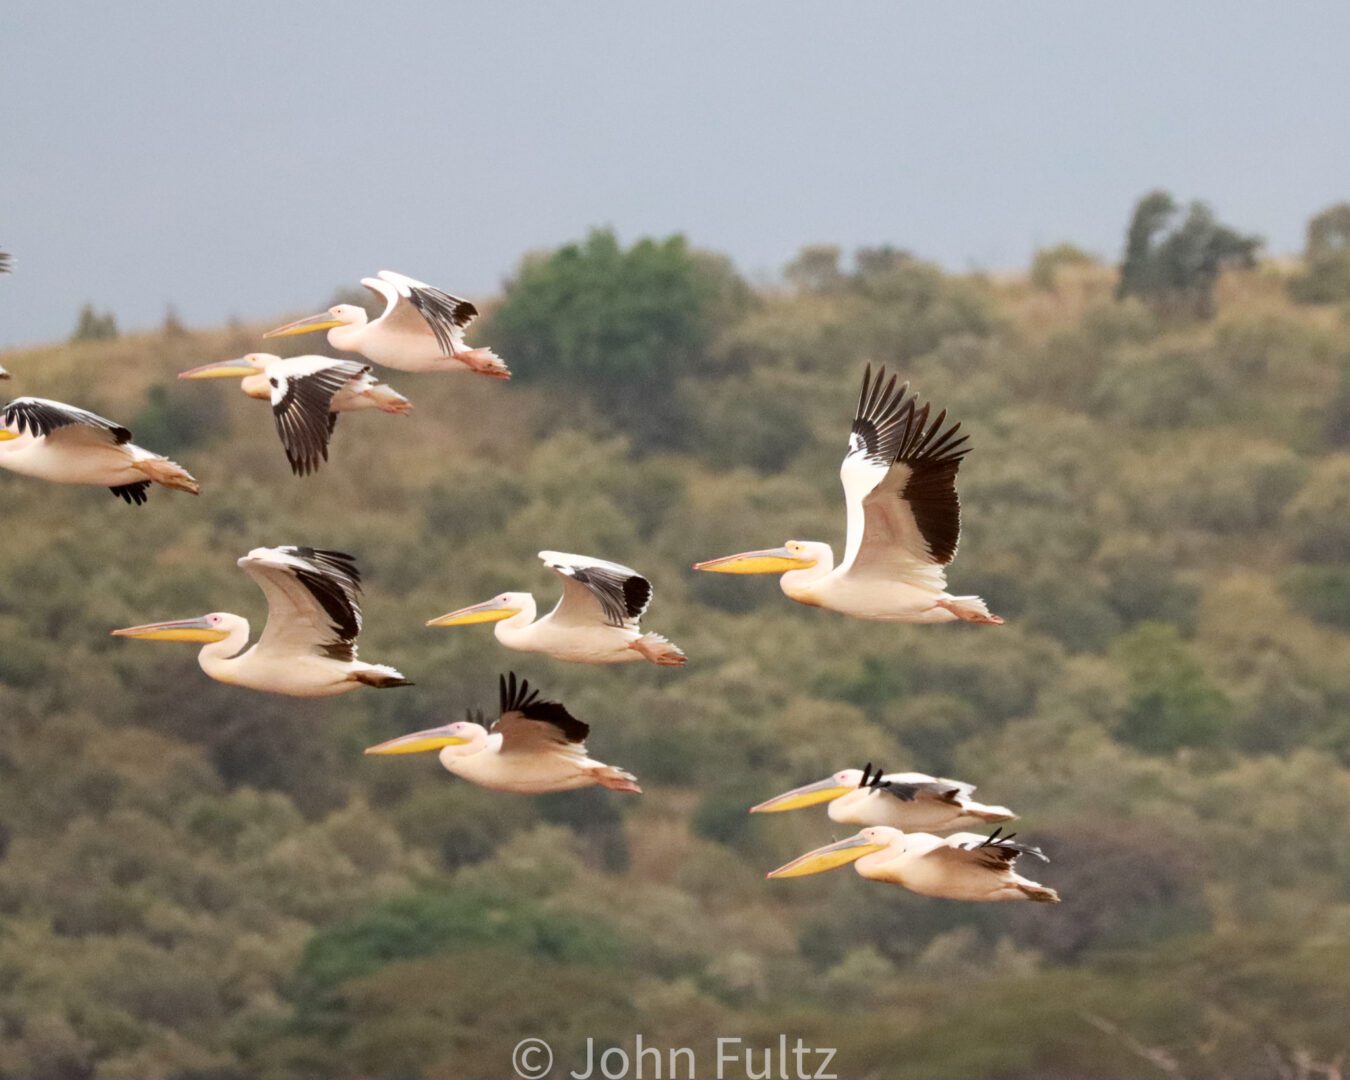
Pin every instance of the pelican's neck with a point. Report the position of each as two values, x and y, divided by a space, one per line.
797 583
509 631
217 657
348 336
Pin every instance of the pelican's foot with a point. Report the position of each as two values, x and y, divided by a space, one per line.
970 611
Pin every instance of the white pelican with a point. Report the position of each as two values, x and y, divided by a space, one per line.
4 374
533 747
914 802
307 393
595 621
420 329
963 866
308 647
66 445
4 262
904 520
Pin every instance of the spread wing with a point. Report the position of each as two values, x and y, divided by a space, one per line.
528 723
908 787
415 307
996 851
43 417
302 396
899 477
312 600
598 591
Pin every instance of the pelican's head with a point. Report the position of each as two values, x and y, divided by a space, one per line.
506 606
250 368
832 856
451 740
204 630
794 555
827 790
338 315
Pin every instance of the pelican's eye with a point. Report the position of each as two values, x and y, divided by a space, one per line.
272 381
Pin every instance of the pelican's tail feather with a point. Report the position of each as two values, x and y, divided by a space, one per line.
660 650
990 814
484 362
616 779
970 609
169 473
1040 893
389 400
380 676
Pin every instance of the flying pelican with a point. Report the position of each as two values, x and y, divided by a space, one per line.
66 445
307 393
420 329
533 747
914 802
4 262
595 621
308 647
963 866
904 520
4 375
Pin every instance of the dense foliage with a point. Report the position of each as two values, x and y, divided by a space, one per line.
198 883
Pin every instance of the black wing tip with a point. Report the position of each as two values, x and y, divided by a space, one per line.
133 494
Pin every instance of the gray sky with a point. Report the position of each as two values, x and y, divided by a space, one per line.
246 157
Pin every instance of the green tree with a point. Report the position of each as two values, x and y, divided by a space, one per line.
1326 257
93 326
1172 701
1174 266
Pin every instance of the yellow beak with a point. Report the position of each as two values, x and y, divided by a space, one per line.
198 630
798 798
224 369
6 435
774 561
828 858
419 742
488 611
321 321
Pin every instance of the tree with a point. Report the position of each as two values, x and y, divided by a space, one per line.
1326 257
93 326
1176 270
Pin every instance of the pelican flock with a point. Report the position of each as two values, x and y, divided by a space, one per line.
307 393
904 520
307 648
595 621
420 329
534 746
903 526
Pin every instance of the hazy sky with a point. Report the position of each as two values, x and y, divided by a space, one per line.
245 158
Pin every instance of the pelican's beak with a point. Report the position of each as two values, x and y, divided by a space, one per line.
198 630
828 858
775 561
6 435
223 369
822 791
419 742
321 321
488 611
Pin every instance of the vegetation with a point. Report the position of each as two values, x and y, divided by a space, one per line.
197 883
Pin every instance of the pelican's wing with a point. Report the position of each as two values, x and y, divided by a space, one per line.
4 262
995 851
312 600
598 591
302 396
899 477
43 417
527 723
416 307
910 786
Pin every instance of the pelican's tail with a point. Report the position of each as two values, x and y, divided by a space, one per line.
660 650
380 676
990 814
1033 891
387 399
616 779
484 362
970 609
169 473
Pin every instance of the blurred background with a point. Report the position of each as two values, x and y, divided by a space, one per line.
1114 244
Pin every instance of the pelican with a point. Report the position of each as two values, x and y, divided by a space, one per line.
914 802
963 866
4 262
420 329
595 621
308 647
534 746
5 375
63 444
307 393
904 520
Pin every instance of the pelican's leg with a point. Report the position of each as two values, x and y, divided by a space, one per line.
969 609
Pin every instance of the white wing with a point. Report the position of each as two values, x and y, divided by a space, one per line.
899 477
595 590
413 306
302 395
994 852
312 600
